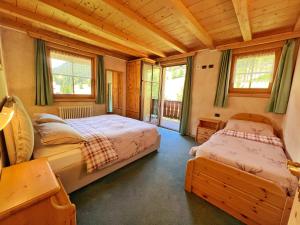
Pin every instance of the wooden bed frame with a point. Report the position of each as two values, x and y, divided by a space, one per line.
249 198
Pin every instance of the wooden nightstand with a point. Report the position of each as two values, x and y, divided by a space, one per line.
294 219
206 128
31 194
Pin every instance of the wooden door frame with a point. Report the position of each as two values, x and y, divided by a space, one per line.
162 91
141 91
106 90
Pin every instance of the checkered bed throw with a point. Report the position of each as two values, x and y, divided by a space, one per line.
97 150
272 140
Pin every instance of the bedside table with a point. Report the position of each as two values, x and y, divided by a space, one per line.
31 194
206 128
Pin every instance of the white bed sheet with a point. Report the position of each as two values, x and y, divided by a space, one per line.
264 160
128 136
59 156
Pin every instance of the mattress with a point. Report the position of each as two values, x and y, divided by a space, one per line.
128 136
59 156
261 159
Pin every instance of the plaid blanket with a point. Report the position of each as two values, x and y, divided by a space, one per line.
272 140
97 150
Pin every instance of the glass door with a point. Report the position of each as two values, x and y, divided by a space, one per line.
173 84
151 77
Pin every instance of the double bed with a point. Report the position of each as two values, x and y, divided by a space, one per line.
131 140
81 150
244 174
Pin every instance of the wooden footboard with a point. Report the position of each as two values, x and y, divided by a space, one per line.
247 197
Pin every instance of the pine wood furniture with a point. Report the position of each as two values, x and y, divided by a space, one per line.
133 89
31 194
249 198
206 128
295 212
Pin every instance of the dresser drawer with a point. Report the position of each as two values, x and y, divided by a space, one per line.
201 139
205 132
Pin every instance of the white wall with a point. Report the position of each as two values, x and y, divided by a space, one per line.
291 122
204 83
18 52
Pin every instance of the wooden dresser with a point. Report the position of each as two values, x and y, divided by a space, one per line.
133 89
30 194
206 128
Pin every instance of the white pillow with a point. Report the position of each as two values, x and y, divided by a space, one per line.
58 133
19 134
47 118
250 127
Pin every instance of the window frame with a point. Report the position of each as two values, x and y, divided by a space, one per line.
261 92
73 97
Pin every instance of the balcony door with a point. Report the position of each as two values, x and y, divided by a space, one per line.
172 92
151 84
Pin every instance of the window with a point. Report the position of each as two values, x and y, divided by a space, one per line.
254 72
72 75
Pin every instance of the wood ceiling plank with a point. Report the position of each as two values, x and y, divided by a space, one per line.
212 8
161 14
241 11
155 31
33 17
297 24
136 4
268 4
290 12
106 30
189 21
149 9
277 8
58 39
28 5
190 3
261 40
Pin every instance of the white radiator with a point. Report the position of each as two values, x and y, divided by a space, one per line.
72 112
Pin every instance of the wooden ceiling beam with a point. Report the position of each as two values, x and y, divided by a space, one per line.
12 10
58 39
261 40
107 30
297 25
155 31
189 21
241 11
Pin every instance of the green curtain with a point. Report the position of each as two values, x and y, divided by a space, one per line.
43 91
223 81
100 80
186 99
284 76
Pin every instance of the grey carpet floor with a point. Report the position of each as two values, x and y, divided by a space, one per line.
149 191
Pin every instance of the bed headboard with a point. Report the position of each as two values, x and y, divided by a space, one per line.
253 117
259 119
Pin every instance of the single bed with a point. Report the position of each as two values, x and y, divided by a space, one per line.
245 178
130 138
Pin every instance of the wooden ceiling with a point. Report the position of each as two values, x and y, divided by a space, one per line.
150 28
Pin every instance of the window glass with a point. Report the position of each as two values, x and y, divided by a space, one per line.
71 74
254 71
